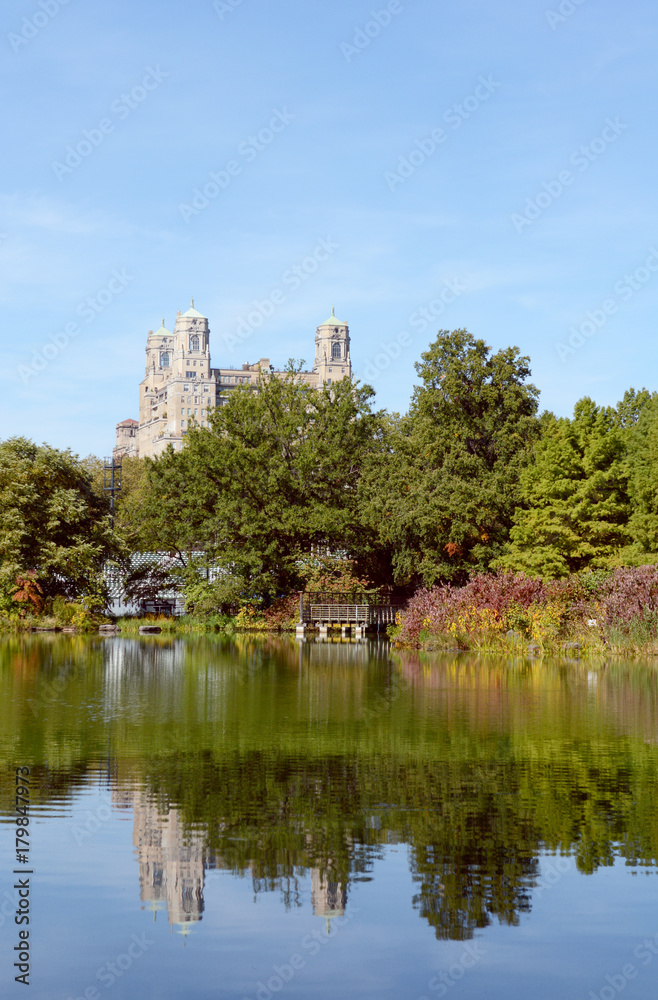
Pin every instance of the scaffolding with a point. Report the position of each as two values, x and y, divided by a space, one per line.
112 469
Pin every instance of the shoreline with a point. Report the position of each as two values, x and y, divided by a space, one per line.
575 649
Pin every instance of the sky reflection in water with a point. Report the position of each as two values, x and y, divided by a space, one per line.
260 818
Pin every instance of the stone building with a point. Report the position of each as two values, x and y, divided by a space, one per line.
180 386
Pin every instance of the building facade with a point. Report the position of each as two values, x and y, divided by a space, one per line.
180 386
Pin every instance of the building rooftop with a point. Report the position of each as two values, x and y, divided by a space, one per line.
163 331
332 321
193 312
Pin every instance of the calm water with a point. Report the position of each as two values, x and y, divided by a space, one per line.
258 818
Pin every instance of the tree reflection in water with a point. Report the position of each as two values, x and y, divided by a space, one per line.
276 759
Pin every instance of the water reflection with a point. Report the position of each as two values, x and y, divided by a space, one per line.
173 858
281 761
172 861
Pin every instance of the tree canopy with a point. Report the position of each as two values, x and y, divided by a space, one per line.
54 528
274 479
291 485
444 494
575 504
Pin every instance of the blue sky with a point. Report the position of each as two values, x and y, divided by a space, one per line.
491 164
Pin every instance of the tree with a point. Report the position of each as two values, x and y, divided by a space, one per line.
642 465
273 479
54 530
444 495
129 522
575 504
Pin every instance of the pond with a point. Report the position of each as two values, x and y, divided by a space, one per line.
256 818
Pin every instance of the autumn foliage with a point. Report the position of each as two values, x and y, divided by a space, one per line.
595 608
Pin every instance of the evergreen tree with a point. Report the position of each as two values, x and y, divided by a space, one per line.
444 494
575 508
643 485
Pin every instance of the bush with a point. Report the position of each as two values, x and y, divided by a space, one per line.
630 593
283 613
504 596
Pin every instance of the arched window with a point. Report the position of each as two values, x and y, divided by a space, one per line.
164 359
335 350
194 342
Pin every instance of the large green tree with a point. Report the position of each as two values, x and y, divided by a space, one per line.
443 495
575 503
273 480
132 495
54 528
642 462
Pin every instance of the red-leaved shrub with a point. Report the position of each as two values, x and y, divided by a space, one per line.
432 610
631 592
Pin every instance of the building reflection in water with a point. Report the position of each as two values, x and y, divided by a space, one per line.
173 861
328 898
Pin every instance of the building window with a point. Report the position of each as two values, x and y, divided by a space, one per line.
188 411
164 359
335 350
328 381
194 342
182 423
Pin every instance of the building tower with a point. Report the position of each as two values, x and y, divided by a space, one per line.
180 390
191 346
332 351
177 363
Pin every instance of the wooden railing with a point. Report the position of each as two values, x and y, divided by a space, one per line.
349 608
